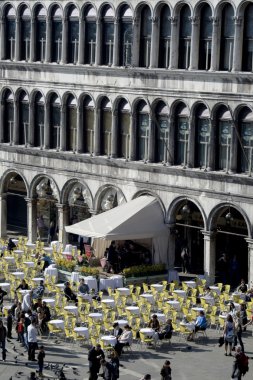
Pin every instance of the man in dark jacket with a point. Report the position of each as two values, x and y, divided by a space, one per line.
94 356
69 294
3 334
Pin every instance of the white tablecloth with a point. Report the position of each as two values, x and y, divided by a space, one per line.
189 326
133 309
91 282
69 248
174 304
83 331
5 286
75 277
121 322
148 331
29 264
215 289
19 251
106 283
10 259
97 316
23 291
117 281
157 287
66 255
161 317
148 297
60 286
37 279
71 309
109 340
51 272
108 302
15 241
173 276
30 245
49 301
191 284
20 275
85 296
56 245
198 309
180 293
209 300
57 323
124 291
242 296
48 250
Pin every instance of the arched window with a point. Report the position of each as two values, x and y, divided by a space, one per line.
106 127
23 119
202 137
145 37
205 38
247 57
162 132
107 36
181 134
88 125
73 36
25 35
246 130
142 131
165 35
39 121
8 117
224 139
126 36
185 31
90 36
71 132
10 34
56 45
40 35
55 122
227 38
124 129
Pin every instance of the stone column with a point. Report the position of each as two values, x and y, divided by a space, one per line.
114 150
81 41
3 38
32 41
151 139
136 42
209 255
238 44
233 149
194 54
212 145
191 143
250 261
31 219
215 54
132 148
2 121
15 136
97 117
63 137
171 146
115 60
47 126
31 124
172 246
17 38
79 129
154 52
98 42
64 40
3 215
174 43
63 220
48 39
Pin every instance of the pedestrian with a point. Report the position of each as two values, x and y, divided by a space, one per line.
2 294
41 357
40 227
32 334
166 371
94 356
185 260
240 364
146 377
114 361
3 335
229 332
9 324
51 232
109 370
238 332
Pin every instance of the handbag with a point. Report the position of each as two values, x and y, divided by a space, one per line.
221 341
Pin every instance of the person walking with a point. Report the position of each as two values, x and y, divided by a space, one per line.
41 357
238 332
229 332
166 371
95 355
32 335
240 364
3 334
9 325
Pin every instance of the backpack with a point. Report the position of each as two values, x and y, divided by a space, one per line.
243 363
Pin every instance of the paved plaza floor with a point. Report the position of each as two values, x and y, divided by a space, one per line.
201 360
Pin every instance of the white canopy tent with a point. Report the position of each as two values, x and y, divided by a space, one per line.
138 219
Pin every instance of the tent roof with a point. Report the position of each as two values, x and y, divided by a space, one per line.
140 218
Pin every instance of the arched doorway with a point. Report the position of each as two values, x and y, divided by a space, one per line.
188 225
16 193
231 231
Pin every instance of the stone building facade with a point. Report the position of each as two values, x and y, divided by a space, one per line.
103 102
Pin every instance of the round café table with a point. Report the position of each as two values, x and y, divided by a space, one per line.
72 309
148 331
148 297
191 284
109 340
96 316
106 283
133 309
117 280
37 279
49 301
5 286
20 275
60 286
19 251
215 289
121 322
160 316
198 309
209 300
157 287
30 245
189 326
58 323
108 302
82 331
174 304
10 259
180 293
124 291
29 264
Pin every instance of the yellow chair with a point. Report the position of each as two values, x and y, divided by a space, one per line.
53 330
146 340
184 332
79 338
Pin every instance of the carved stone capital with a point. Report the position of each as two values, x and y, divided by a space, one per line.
215 20
237 20
194 20
173 20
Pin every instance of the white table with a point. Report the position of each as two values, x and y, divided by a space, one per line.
70 248
48 250
19 251
117 281
75 277
148 331
96 316
133 309
51 272
37 279
180 293
24 291
198 309
30 245
10 259
91 282
160 316
121 322
215 289
124 291
109 340
5 286
191 284
67 255
173 275
157 287
189 326
20 275
106 283
242 296
209 300
29 264
82 331
174 304
57 323
49 301
72 309
60 286
148 297
87 297
15 241
108 302
55 244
